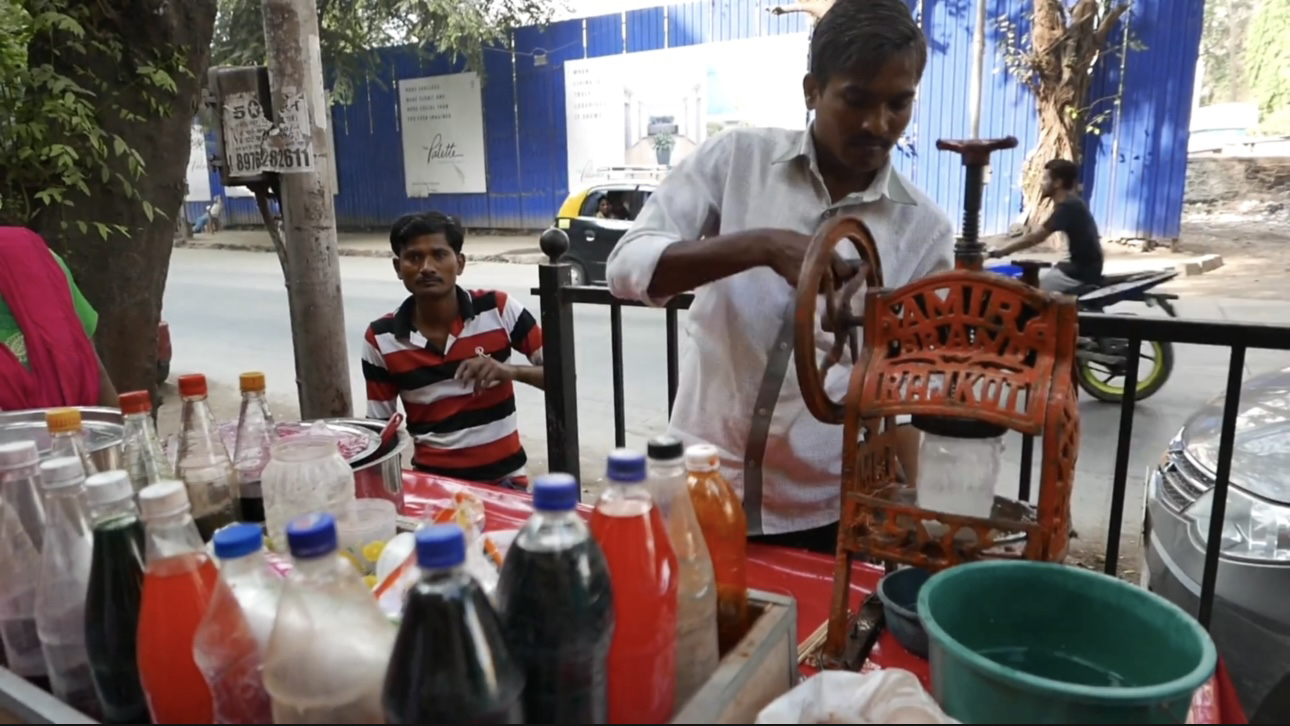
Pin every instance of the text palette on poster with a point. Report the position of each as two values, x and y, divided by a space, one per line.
442 118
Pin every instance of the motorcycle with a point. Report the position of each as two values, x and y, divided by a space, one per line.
1100 362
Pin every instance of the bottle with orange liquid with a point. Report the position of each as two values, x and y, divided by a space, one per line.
177 589
643 574
725 529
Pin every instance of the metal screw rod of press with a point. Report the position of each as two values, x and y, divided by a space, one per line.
309 217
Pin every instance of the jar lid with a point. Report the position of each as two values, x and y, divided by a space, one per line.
626 466
63 420
665 448
163 499
108 487
555 492
251 382
702 457
192 385
19 454
313 535
135 402
440 546
61 472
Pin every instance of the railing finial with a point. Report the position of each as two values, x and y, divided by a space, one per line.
554 243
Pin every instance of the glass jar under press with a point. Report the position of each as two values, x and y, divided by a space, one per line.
305 474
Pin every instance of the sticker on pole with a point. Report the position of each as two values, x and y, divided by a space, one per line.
253 144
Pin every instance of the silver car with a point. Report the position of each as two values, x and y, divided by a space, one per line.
1250 621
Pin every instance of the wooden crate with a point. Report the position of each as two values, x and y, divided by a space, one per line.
760 669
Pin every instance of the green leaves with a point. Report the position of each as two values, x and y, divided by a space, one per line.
351 29
52 133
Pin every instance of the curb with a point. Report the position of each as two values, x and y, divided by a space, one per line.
1199 266
517 258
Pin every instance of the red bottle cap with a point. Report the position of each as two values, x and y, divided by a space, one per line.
193 384
136 402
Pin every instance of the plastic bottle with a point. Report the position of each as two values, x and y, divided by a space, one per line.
67 437
331 643
234 635
255 434
643 573
450 662
725 529
203 461
64 580
143 457
114 597
177 588
557 608
22 532
697 656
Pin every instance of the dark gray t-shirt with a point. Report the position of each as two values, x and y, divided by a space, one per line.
1084 255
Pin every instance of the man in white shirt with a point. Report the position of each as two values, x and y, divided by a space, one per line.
732 222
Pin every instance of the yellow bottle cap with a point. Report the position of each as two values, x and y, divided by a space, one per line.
252 382
63 421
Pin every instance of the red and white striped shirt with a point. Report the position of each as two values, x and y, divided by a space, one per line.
457 433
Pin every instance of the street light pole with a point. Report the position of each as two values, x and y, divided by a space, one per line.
300 154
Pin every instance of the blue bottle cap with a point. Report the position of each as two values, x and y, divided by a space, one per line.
312 535
555 493
238 540
626 466
441 546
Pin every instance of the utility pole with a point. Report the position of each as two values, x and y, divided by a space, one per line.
308 209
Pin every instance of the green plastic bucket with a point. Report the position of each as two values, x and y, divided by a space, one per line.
1030 642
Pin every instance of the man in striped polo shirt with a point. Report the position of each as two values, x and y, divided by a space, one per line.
446 352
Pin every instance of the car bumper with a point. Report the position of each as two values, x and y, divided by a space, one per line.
1249 622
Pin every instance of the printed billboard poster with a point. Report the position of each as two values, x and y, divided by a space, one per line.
199 172
637 114
442 118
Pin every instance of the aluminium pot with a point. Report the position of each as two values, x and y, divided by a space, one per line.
379 476
104 432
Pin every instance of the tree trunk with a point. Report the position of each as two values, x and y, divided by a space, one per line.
124 276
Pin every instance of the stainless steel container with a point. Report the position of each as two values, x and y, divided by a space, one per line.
380 477
104 432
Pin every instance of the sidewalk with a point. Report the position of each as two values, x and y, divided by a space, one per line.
523 249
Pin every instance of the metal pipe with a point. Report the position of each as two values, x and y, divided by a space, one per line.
977 89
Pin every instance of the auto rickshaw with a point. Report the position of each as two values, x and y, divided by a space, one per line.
595 217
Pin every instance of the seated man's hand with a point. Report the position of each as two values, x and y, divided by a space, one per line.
484 372
996 253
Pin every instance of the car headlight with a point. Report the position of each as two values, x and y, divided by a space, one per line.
1252 527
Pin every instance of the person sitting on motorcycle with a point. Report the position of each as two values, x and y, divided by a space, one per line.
1083 263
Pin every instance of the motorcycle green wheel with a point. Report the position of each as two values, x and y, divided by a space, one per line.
1110 387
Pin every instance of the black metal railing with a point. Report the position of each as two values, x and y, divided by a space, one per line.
557 297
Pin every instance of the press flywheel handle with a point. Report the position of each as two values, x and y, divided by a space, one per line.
816 278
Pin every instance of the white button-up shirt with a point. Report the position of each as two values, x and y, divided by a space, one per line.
745 179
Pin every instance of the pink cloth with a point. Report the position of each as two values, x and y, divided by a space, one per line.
62 368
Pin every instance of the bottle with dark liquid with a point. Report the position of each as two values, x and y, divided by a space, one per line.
255 434
202 462
450 663
557 609
114 597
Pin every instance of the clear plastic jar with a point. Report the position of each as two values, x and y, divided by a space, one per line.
305 474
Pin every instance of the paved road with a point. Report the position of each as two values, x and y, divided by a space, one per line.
228 313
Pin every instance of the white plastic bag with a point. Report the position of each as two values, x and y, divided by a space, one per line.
883 696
